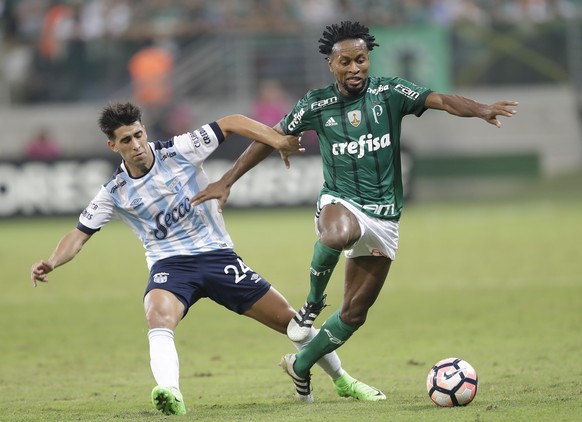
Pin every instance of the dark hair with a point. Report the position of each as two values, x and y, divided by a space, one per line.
115 115
346 30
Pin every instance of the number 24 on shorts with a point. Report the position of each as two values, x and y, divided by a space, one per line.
240 272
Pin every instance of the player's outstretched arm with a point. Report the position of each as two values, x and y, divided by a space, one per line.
465 107
67 249
253 155
287 145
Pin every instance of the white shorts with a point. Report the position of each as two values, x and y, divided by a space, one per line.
379 237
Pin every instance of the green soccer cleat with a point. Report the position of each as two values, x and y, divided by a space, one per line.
346 386
168 400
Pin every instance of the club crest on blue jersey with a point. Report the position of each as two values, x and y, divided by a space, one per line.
174 185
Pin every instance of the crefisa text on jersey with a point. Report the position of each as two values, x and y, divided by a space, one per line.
379 89
366 143
296 119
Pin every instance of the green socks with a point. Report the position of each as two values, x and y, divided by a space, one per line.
334 332
323 262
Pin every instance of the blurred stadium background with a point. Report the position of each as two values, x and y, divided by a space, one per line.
191 61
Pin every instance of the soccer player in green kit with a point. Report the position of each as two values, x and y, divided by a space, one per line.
358 122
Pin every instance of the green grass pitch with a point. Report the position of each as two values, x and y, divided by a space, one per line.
498 283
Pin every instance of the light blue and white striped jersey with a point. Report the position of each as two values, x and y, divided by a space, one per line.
155 206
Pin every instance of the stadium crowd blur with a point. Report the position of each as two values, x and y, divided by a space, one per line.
51 49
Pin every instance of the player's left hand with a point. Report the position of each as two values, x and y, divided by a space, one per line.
500 108
216 190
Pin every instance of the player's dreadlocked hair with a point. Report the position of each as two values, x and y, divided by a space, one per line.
115 115
346 30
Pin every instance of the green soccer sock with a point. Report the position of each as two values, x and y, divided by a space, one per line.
323 262
334 332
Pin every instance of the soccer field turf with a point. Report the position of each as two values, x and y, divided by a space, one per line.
498 284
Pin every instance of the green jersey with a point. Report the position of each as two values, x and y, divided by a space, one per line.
359 140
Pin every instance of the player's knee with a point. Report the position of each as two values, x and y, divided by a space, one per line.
162 309
157 318
337 237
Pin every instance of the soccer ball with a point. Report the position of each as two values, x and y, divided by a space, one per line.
452 382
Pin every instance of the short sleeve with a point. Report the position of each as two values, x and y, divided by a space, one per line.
413 96
99 212
298 120
200 143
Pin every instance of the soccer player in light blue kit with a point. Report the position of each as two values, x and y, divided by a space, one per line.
188 250
358 121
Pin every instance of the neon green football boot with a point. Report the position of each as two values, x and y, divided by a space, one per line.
168 400
346 386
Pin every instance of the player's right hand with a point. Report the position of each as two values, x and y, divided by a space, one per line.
39 272
291 147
